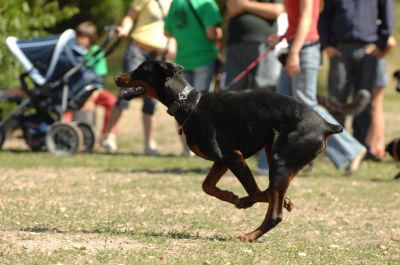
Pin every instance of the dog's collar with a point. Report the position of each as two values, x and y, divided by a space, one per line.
182 96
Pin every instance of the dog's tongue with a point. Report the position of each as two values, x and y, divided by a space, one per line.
132 92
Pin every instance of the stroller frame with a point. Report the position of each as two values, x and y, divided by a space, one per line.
59 137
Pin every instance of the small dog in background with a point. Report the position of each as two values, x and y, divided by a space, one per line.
393 147
396 75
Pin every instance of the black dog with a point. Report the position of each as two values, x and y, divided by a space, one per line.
229 127
393 149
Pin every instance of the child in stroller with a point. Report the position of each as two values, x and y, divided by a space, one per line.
87 37
56 80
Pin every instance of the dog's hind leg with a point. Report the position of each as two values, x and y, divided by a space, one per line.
287 203
280 178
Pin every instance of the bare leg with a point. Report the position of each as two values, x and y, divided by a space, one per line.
150 146
377 129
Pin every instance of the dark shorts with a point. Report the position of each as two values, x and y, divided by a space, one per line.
134 56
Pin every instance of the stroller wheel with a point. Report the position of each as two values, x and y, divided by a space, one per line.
89 139
64 139
2 137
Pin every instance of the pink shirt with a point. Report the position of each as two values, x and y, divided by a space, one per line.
293 11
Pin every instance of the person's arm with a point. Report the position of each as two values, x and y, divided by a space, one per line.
293 61
324 25
127 23
385 16
261 9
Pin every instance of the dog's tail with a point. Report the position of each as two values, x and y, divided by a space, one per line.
332 128
354 108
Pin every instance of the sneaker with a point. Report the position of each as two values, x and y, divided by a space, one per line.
187 153
355 163
109 143
151 151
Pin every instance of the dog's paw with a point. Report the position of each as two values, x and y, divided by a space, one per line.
244 203
252 237
288 204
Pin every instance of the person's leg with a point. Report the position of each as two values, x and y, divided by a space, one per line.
238 57
340 78
107 100
342 149
365 78
132 59
268 70
377 129
150 145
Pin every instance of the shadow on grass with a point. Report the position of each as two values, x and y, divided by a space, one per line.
174 170
151 234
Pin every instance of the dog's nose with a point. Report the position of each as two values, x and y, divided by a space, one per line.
117 79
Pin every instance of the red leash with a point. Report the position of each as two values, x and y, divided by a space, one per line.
250 66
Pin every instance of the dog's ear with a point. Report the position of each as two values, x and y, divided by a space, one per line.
169 69
166 68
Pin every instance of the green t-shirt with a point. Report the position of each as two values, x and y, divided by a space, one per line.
97 62
248 27
194 48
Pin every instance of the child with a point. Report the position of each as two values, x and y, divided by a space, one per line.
87 37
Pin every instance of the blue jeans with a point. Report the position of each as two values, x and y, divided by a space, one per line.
200 77
342 147
133 57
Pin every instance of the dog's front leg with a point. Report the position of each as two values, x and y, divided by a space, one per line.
209 185
240 169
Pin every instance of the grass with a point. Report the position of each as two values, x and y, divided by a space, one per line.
79 210
131 209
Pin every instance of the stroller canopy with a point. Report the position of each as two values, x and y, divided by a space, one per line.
46 59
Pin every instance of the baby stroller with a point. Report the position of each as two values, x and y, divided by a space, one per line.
56 81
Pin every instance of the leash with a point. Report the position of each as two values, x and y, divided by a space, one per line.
251 65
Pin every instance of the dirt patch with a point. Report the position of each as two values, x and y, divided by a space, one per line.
52 241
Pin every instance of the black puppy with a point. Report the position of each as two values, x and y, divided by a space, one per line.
229 127
393 149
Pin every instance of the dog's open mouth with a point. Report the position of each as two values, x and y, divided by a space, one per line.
133 92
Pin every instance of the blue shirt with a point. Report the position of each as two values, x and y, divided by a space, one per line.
367 21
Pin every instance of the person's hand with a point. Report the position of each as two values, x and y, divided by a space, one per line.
293 64
373 50
332 52
274 38
122 31
235 7
170 51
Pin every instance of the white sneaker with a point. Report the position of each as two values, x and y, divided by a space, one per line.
187 153
109 143
355 163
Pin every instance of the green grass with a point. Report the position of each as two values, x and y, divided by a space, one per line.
131 209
